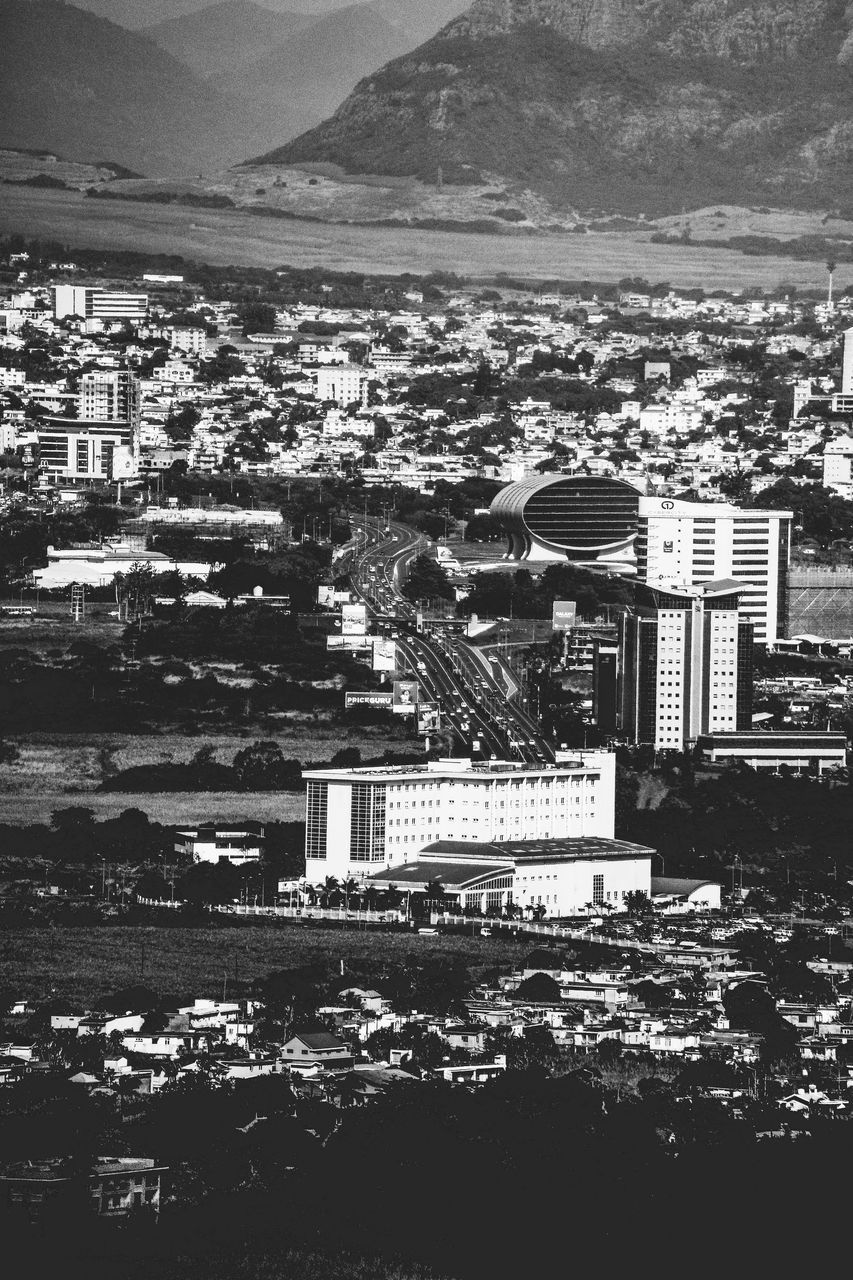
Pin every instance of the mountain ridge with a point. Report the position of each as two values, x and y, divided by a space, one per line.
94 90
601 103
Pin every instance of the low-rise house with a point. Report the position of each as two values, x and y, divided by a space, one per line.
306 1049
470 1039
477 1073
114 1186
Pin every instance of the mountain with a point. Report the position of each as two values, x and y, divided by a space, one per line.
316 68
137 14
639 105
213 39
74 83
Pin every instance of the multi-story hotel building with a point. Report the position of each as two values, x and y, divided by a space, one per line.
362 821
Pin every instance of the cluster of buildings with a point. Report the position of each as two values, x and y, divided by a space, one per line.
657 427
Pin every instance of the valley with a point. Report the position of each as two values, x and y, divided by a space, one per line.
222 236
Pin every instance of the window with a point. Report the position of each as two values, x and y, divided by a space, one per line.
316 819
367 822
598 889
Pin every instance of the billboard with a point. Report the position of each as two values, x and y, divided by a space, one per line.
368 698
427 717
325 596
405 697
352 643
563 615
353 619
384 654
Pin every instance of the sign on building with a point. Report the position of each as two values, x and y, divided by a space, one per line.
405 697
368 698
384 654
563 615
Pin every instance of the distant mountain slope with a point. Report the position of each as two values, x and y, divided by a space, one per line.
136 14
91 90
213 39
631 104
316 68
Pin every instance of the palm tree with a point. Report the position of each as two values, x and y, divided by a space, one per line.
327 888
348 887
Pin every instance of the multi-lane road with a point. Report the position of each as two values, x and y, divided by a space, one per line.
468 689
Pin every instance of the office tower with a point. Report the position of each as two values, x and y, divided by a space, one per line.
684 668
360 821
598 522
91 303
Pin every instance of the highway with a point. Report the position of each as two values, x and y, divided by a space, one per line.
470 693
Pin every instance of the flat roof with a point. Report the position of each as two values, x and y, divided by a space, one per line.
455 874
559 849
450 769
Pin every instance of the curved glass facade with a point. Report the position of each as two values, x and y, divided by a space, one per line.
584 518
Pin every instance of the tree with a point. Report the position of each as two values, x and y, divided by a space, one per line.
427 580
135 589
539 987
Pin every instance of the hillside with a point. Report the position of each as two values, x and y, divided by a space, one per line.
635 105
214 38
76 84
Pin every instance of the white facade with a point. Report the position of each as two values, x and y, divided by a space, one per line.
838 466
681 543
97 304
341 383
98 566
570 886
360 821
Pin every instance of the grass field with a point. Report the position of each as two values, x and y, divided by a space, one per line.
225 236
82 964
169 807
80 762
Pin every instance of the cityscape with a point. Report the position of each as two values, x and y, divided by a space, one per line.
426 697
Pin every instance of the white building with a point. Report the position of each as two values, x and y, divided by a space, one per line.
211 844
552 877
838 466
341 383
361 821
92 303
109 395
681 543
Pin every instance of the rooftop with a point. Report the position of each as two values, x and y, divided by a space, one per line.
457 769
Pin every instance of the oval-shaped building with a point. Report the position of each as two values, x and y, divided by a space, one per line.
589 520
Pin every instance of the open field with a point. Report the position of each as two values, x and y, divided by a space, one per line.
169 807
80 762
227 236
84 963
